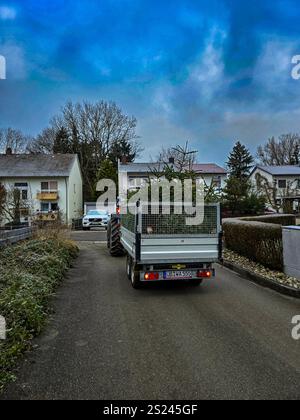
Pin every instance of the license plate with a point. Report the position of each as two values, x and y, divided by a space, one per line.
179 275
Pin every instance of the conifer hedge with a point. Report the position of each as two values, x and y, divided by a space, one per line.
258 238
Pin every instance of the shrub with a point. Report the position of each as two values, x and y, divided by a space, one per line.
276 219
261 242
29 274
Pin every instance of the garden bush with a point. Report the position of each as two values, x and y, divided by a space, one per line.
276 219
261 242
29 274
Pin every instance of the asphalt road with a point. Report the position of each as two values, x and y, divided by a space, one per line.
228 339
94 235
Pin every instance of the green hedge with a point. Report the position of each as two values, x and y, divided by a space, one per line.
260 242
29 274
276 219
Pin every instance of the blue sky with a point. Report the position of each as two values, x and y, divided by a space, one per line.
210 72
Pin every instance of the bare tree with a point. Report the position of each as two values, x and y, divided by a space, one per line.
94 131
284 151
278 198
183 157
12 139
43 143
12 205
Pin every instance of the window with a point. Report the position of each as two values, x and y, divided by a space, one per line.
23 187
135 182
282 184
54 207
44 207
217 181
49 186
47 207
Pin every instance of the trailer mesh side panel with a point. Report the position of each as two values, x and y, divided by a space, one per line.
128 222
176 224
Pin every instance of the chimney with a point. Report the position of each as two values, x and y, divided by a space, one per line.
9 151
124 160
172 161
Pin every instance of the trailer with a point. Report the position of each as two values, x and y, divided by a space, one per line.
163 247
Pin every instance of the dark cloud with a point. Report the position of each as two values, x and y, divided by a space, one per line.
205 71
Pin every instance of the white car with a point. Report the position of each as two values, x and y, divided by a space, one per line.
95 218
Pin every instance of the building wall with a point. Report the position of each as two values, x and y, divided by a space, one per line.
139 177
34 187
208 179
262 173
292 180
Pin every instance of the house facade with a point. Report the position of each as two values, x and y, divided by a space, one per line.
136 175
283 182
51 185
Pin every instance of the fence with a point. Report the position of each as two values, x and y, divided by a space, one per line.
157 223
14 236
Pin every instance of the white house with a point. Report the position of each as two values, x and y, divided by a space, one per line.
51 184
135 175
283 180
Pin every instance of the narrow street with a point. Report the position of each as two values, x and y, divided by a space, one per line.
228 339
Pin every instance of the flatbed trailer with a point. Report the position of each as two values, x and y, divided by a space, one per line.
162 247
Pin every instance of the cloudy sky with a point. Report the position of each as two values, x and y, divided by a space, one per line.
210 72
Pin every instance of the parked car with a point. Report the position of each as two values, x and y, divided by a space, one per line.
95 218
270 210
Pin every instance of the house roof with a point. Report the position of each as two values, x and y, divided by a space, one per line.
15 166
203 168
139 167
209 168
286 170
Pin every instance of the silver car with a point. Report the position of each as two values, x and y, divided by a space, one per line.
95 218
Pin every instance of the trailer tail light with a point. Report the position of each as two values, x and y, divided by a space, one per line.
151 276
204 274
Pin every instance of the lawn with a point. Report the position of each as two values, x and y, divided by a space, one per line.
29 274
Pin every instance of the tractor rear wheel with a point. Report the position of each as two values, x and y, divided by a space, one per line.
115 246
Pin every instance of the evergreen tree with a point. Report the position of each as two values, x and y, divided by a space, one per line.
122 148
107 170
239 196
61 142
240 162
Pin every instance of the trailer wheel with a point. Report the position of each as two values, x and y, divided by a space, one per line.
135 277
128 267
115 246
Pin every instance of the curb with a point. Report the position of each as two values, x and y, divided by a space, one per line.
262 281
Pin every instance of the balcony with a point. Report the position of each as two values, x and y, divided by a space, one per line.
48 195
47 217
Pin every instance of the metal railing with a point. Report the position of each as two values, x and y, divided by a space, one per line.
174 224
8 237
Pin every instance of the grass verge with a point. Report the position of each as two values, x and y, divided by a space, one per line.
29 275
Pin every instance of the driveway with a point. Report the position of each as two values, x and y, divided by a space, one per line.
94 235
228 339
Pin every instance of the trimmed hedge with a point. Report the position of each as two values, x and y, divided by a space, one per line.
261 242
258 238
276 219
